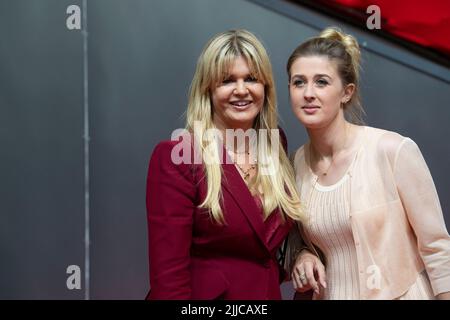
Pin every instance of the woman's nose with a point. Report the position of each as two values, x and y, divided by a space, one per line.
309 92
241 88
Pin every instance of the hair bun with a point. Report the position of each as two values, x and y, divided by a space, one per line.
348 41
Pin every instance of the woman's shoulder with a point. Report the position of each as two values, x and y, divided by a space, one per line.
165 145
182 140
165 148
383 137
387 142
178 151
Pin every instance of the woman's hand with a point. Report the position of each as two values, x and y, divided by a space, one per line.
443 296
308 272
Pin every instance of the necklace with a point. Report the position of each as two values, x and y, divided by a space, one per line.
325 173
245 173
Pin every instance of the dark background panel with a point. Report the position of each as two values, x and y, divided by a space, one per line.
41 171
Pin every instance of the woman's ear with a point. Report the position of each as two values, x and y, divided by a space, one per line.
348 93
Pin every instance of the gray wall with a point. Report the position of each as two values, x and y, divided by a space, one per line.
142 55
41 162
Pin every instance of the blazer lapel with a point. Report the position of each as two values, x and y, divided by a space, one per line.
233 182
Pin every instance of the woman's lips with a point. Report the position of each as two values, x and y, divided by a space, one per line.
310 109
241 104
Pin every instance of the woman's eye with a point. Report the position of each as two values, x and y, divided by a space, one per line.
227 81
298 83
322 82
251 79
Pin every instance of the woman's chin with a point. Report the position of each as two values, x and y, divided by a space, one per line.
242 120
310 122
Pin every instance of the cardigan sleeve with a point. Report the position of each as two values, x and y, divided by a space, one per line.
170 203
421 202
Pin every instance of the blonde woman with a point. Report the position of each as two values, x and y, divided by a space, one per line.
215 225
373 211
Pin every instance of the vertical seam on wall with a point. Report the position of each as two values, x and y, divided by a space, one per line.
86 139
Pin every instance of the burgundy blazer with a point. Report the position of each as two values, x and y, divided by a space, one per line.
192 257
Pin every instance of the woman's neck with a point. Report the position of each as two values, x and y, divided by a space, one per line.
240 142
326 142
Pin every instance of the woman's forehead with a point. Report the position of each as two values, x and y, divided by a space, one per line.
314 65
229 64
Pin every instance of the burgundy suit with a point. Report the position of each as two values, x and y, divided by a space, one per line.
192 257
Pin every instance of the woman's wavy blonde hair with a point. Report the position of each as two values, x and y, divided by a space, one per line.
213 66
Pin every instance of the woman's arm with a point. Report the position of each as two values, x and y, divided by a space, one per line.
170 206
420 200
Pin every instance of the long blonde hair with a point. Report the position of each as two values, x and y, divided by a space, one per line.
212 68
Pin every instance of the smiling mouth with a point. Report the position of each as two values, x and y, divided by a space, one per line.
240 103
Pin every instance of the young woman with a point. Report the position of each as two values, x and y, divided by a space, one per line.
373 213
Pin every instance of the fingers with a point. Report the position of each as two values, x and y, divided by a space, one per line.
321 274
300 279
307 274
309 271
296 277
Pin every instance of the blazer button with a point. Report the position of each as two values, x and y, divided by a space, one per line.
266 264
